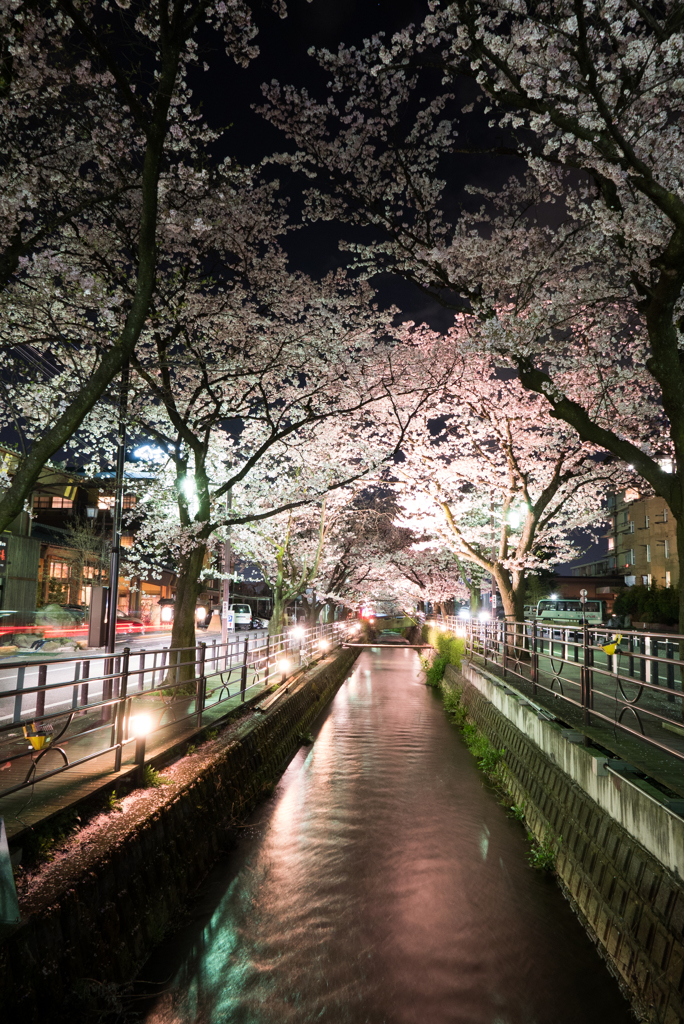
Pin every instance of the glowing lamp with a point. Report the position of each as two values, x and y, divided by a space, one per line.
141 725
484 616
324 645
167 614
200 613
464 613
298 632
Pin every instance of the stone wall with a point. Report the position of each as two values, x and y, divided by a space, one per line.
631 903
95 916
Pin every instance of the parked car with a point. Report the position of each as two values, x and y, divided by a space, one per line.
242 616
260 623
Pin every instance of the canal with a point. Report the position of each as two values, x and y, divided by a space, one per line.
383 882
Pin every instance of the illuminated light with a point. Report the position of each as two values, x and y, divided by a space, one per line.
464 613
200 613
282 665
484 616
298 632
324 645
553 597
167 614
514 520
141 725
150 453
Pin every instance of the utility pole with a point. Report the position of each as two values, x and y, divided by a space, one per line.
227 553
117 514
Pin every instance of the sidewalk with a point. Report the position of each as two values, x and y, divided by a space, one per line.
174 721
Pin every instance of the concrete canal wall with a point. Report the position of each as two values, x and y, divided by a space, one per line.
94 915
621 856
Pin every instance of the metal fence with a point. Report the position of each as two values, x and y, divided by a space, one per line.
634 684
77 709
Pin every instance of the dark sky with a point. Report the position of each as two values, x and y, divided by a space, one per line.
228 94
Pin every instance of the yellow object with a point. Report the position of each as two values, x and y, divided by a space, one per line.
610 648
36 741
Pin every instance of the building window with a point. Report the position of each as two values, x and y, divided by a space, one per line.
51 501
648 522
668 579
631 526
59 570
650 579
129 500
665 514
105 501
631 556
644 581
611 543
648 552
667 549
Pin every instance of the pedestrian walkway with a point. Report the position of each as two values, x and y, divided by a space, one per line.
171 722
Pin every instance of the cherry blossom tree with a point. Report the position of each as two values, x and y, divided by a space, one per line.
98 125
587 97
499 483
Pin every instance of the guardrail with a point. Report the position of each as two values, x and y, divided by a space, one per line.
634 684
80 708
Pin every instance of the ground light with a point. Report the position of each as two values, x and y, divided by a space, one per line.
324 645
484 616
464 613
298 632
140 726
282 666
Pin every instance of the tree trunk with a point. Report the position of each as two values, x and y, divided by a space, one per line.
474 598
189 587
276 624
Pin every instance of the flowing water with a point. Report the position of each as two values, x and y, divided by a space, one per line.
383 882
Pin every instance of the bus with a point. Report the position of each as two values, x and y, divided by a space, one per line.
568 612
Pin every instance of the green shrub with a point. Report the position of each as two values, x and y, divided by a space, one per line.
456 710
450 649
518 812
649 604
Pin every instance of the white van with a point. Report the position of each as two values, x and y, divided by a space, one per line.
242 616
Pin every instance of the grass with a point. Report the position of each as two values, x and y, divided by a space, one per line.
518 812
210 735
543 852
191 749
152 778
112 802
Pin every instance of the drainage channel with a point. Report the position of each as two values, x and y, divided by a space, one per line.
382 882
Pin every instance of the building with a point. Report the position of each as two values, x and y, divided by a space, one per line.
640 545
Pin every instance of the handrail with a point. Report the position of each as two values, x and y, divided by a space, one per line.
635 683
47 693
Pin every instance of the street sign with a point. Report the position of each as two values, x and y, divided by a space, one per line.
3 556
228 618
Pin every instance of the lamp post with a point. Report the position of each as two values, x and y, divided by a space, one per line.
225 589
117 514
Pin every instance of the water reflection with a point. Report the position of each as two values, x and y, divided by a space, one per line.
384 883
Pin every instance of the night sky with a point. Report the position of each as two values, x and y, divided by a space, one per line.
229 93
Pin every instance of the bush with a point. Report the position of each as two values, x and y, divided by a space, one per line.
649 604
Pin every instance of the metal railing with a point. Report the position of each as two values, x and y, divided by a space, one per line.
635 686
76 709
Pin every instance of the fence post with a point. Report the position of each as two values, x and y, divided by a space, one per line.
74 695
121 708
268 654
243 673
534 660
201 684
669 654
84 685
40 697
587 677
21 671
